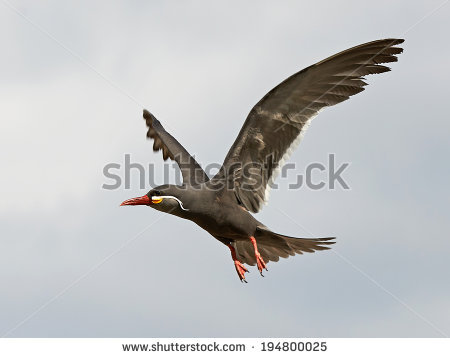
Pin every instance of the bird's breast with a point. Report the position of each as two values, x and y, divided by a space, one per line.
226 221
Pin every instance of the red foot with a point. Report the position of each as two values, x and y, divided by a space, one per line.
240 269
239 266
259 260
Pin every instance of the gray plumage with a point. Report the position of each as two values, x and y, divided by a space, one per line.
274 126
283 114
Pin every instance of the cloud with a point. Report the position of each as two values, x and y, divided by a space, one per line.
200 68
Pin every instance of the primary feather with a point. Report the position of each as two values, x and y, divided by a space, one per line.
276 124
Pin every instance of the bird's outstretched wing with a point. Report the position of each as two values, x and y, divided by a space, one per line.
278 121
191 171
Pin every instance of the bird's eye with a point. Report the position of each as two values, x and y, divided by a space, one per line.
156 201
156 197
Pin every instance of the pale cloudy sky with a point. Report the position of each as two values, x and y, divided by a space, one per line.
75 76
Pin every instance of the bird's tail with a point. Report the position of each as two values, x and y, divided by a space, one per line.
272 246
297 244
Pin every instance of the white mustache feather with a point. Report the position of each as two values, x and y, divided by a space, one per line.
170 197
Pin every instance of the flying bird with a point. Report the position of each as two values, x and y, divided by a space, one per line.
221 205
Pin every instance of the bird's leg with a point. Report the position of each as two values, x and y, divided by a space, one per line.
239 266
259 260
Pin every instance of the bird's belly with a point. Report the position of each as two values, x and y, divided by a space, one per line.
228 224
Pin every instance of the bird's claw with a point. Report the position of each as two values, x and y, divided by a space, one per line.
260 263
259 260
241 270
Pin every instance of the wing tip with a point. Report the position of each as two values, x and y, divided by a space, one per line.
396 41
147 115
391 41
150 119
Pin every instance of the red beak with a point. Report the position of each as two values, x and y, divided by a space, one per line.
142 200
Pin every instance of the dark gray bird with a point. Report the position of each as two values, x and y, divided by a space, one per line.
272 129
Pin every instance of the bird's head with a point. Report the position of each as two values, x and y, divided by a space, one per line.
167 198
